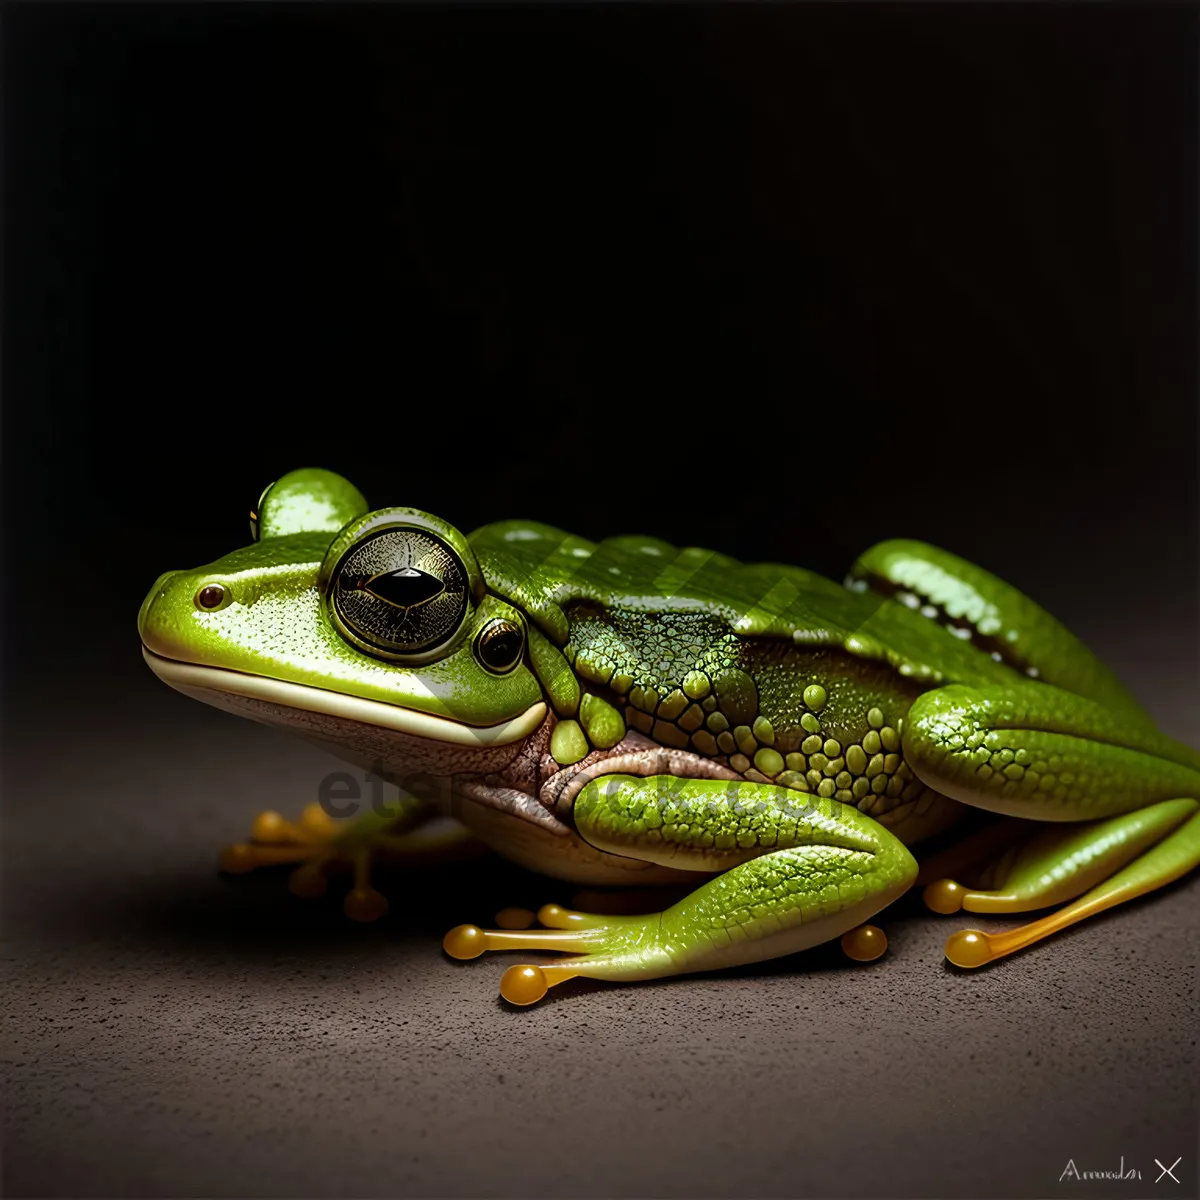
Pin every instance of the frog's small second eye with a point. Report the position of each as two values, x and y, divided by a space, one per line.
500 645
212 595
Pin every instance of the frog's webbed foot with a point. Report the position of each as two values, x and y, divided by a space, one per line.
1096 864
604 946
320 845
572 932
316 844
275 840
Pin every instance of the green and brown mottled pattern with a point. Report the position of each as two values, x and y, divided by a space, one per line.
781 674
774 713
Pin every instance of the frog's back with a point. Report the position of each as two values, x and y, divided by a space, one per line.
641 582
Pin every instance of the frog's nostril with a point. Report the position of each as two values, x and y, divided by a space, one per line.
211 595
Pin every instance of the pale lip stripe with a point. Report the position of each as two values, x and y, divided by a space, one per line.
184 676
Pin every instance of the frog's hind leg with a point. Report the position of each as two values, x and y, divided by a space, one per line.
1073 747
1120 799
992 615
1109 862
795 870
1055 863
317 844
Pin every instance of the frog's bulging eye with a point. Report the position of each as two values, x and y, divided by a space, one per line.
400 593
212 596
500 645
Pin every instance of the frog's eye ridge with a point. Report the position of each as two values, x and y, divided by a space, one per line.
400 593
500 645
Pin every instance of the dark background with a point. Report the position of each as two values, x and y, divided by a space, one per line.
781 280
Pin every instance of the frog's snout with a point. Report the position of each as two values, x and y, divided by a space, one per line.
155 594
166 615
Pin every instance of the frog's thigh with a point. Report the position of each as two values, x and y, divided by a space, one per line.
795 870
1037 752
995 614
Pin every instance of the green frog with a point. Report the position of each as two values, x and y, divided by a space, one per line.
766 741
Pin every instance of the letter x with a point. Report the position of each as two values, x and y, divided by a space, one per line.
1168 1170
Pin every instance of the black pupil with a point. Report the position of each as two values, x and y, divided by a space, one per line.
403 588
501 648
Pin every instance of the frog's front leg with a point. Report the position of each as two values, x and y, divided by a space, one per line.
317 843
794 869
1124 800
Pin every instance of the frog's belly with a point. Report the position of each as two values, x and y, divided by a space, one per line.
528 845
569 858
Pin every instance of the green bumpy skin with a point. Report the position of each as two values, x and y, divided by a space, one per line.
713 825
786 735
1039 751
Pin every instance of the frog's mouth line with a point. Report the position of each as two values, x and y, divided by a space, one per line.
188 677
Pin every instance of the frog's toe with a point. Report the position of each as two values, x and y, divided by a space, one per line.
527 983
944 896
616 948
309 880
271 828
274 840
365 904
554 916
866 943
469 941
316 843
362 903
549 916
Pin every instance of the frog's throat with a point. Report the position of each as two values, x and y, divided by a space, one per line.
191 677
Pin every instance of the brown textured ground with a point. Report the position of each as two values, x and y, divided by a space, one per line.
172 1033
